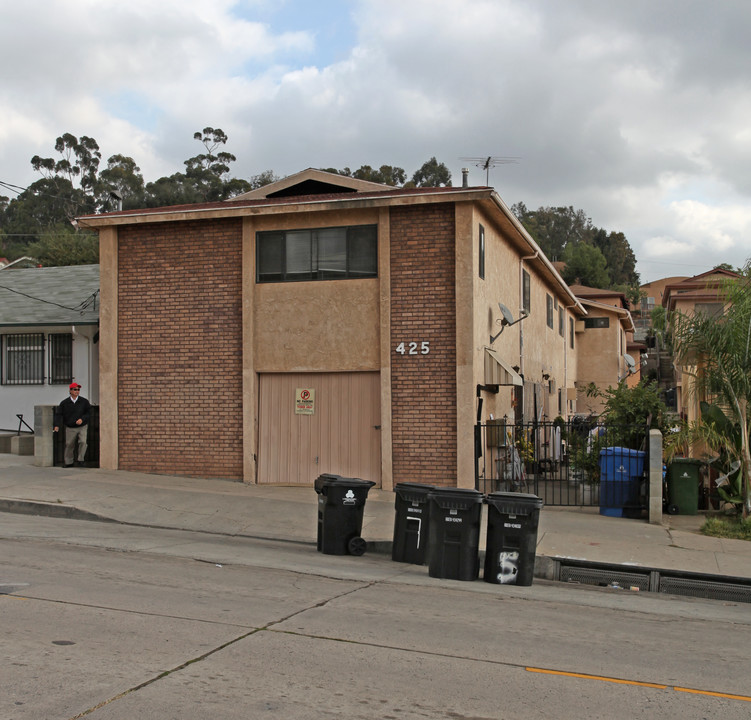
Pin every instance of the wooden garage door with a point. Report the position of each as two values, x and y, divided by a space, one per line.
341 436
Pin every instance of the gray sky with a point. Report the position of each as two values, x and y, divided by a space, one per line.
639 113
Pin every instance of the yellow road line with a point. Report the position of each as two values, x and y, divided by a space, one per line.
596 677
620 681
745 698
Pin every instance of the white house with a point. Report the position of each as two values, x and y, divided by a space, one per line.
49 334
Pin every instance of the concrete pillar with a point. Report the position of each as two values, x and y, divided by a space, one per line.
655 477
44 443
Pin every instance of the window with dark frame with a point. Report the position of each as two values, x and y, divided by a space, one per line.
526 295
321 254
550 310
571 332
60 358
561 322
482 253
23 357
596 322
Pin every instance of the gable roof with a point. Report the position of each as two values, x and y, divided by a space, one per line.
49 296
582 291
706 286
311 182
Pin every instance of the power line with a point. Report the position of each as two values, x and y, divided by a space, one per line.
81 307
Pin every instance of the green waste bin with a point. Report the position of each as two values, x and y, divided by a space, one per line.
683 485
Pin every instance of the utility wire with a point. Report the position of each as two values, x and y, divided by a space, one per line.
81 307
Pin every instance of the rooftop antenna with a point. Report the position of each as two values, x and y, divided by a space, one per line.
490 162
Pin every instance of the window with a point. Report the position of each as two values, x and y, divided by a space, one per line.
322 254
60 358
710 310
482 252
550 311
596 322
571 332
24 359
526 300
561 322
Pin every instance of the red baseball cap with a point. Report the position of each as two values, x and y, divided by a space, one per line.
74 385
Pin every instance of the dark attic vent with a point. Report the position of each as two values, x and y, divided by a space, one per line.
310 187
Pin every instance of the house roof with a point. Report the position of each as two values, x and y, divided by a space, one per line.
623 314
49 296
330 191
706 286
311 182
582 291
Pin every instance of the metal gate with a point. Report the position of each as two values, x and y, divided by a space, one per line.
564 462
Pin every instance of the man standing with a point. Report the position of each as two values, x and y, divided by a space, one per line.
73 413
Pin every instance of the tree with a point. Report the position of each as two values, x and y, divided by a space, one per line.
620 258
717 354
432 174
63 245
555 228
121 176
585 264
386 174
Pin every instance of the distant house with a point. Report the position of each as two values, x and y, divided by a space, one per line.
698 294
605 337
49 328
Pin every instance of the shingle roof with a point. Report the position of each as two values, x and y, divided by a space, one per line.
50 296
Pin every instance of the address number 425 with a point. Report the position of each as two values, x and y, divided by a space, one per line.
413 348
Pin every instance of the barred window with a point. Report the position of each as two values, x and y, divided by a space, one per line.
60 358
24 359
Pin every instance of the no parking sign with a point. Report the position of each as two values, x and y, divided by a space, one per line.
305 401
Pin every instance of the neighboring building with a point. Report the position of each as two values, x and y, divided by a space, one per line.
325 324
49 322
605 338
698 294
652 294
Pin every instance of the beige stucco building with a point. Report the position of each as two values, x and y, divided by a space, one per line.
325 324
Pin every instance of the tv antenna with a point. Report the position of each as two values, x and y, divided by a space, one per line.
490 162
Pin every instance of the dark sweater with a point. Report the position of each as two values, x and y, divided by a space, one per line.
68 412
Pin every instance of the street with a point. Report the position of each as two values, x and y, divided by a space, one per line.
109 621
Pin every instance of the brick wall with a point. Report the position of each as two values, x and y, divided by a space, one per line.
180 348
423 309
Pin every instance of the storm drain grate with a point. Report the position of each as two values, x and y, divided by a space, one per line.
651 579
596 576
714 590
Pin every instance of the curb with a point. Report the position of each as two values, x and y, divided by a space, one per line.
53 510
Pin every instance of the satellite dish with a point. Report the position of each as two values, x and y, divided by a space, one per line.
508 318
630 362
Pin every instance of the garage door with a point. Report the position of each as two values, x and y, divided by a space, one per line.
316 423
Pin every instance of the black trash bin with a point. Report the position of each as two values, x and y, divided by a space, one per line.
512 538
454 533
411 522
341 502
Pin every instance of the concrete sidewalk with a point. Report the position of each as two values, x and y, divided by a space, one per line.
290 514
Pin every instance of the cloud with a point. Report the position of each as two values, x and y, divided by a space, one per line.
635 112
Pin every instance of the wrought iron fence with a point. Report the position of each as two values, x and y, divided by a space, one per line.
579 462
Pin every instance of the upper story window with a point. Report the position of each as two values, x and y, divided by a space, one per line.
710 310
550 311
526 295
596 322
481 250
571 332
561 322
321 254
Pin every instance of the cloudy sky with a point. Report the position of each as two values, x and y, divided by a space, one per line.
637 112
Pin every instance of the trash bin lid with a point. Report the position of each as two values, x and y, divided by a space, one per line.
451 497
331 480
514 503
628 452
413 492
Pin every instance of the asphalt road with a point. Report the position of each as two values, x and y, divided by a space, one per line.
106 621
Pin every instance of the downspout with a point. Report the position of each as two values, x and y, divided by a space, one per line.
566 348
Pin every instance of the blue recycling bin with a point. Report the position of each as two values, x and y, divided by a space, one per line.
621 471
